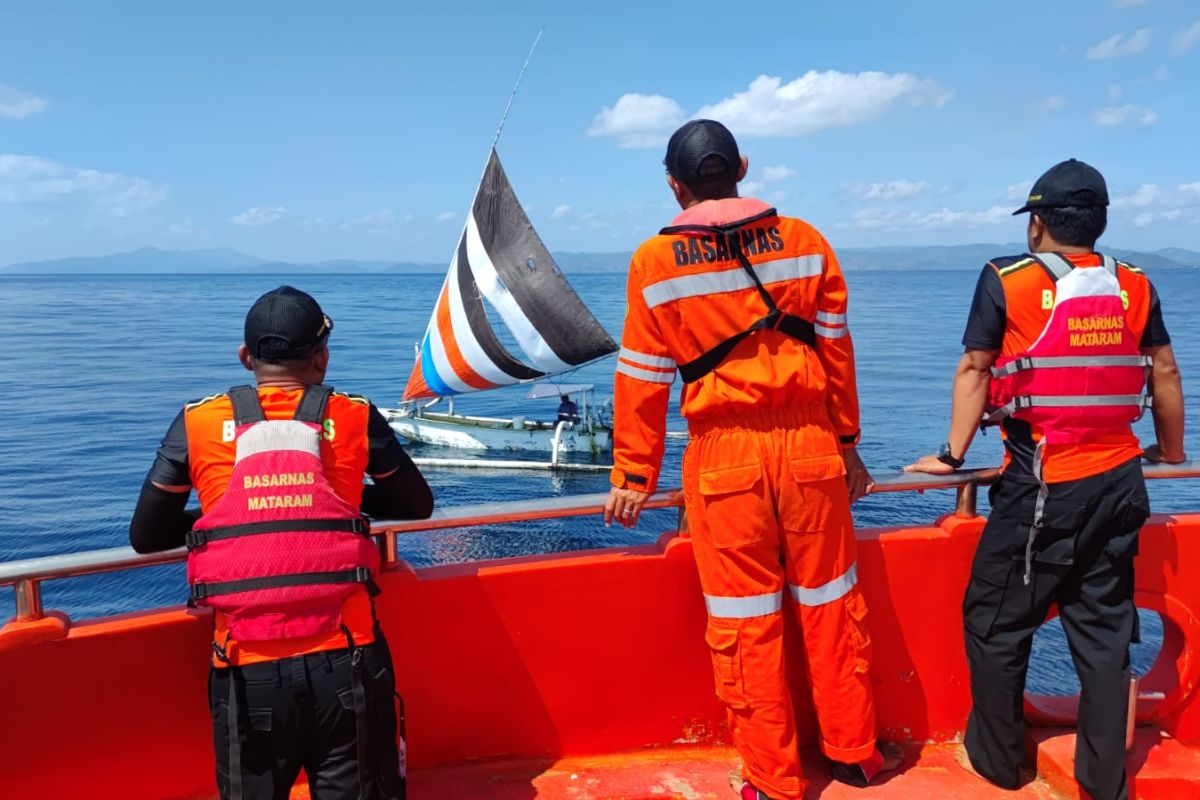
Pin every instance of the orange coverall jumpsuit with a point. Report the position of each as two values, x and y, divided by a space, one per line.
763 475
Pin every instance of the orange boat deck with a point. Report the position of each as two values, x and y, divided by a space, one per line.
585 676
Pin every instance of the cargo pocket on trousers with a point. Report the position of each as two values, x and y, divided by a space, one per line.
1056 541
723 493
817 468
728 676
860 631
985 596
1123 545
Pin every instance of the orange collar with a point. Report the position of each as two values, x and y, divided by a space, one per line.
720 212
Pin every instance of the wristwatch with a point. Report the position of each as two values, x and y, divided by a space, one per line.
946 457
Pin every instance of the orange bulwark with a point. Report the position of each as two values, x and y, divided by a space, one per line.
585 676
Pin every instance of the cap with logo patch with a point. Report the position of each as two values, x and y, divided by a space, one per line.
285 323
1070 184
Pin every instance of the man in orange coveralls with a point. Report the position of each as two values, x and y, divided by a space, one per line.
750 308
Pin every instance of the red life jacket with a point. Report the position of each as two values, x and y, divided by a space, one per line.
1085 375
280 551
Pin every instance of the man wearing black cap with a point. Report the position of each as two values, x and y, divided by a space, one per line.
749 307
282 702
1058 345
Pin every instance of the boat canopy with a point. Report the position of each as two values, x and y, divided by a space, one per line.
501 259
544 389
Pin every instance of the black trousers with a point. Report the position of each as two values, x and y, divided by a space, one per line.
300 712
1083 561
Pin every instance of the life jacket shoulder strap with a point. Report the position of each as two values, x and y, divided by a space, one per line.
311 407
1058 267
247 408
798 328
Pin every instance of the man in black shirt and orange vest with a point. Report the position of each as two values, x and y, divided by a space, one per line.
301 675
1059 345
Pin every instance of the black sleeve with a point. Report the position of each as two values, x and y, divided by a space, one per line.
160 520
985 325
170 466
384 452
1155 334
404 494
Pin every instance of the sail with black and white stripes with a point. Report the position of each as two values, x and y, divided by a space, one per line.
500 259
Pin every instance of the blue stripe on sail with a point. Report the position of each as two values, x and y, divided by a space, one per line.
429 371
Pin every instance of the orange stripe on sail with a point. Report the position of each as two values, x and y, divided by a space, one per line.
453 354
416 387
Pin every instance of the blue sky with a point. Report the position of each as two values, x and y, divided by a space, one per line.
308 131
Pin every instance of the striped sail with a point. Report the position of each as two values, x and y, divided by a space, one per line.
501 259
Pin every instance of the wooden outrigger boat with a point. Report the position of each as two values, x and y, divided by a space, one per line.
578 675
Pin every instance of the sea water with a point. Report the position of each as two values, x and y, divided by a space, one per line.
96 366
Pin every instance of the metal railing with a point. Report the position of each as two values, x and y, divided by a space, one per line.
26 575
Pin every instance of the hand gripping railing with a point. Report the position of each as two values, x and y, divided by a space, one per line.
26 575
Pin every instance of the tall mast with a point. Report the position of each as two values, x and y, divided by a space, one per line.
520 77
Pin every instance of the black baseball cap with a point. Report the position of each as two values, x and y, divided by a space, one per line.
285 323
1070 184
693 143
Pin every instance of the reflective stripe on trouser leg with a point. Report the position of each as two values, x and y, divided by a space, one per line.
736 542
822 574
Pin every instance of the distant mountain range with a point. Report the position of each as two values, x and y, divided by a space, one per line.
152 260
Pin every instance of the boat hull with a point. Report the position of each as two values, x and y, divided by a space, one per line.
541 658
489 433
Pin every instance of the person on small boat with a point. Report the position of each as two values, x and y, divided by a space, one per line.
749 308
1058 345
301 675
567 410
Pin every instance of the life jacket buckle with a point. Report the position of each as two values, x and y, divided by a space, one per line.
194 538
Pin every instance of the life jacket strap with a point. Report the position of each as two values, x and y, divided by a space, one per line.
1141 401
202 591
195 537
1058 267
311 407
798 328
1054 362
247 408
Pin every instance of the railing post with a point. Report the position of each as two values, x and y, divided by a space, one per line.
29 599
965 506
682 525
387 548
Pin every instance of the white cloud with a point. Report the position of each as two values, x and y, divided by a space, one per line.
1162 74
1145 195
1193 187
1185 39
819 101
259 216
890 190
1018 192
180 228
15 104
560 211
751 188
36 180
377 219
1053 103
891 220
446 216
1113 116
814 102
638 120
1118 46
1150 217
777 172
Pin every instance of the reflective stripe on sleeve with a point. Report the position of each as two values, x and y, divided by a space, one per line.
649 375
831 319
828 592
756 605
647 360
732 280
830 333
